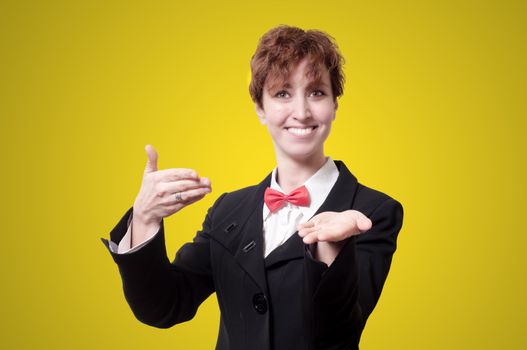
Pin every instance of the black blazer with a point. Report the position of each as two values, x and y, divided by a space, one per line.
285 301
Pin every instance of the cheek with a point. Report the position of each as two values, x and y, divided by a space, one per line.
278 115
326 114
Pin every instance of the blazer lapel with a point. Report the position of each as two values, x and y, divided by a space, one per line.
293 248
342 195
250 252
241 232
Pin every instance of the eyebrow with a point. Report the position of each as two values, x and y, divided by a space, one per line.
277 84
317 83
311 85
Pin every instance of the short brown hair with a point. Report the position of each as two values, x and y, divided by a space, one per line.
283 47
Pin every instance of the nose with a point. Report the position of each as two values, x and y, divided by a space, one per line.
301 109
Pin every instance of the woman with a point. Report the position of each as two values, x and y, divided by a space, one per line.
297 261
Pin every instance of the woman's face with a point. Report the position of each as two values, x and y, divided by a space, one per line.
298 114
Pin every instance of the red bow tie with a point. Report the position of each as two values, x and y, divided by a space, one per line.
275 199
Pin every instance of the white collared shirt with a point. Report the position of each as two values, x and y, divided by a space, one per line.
279 226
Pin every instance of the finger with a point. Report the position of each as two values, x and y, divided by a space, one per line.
177 207
190 195
323 237
310 238
205 181
364 224
327 236
306 231
151 163
306 225
174 174
180 186
187 196
195 199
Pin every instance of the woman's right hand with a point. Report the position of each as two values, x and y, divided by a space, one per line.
162 194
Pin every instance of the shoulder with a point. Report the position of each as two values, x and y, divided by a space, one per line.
234 202
240 194
370 201
369 196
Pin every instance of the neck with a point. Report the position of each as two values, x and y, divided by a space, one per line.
292 173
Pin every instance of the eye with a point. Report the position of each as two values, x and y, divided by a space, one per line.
318 93
282 94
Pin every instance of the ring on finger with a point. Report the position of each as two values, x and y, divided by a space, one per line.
178 197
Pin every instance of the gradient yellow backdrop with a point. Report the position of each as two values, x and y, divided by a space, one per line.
433 114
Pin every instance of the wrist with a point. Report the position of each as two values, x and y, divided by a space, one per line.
142 229
327 252
142 218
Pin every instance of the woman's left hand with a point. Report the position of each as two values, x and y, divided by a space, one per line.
331 226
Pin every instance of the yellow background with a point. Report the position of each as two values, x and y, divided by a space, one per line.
433 114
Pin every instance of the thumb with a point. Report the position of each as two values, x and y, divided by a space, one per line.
151 163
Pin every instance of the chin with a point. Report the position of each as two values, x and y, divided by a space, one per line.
302 153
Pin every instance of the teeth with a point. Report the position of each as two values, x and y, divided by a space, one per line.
300 132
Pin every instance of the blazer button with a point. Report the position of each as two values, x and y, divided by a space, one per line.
260 303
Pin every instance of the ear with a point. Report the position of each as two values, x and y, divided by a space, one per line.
261 113
336 107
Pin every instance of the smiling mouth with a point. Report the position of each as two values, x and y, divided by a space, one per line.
301 131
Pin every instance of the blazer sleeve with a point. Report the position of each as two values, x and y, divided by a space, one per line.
163 293
375 249
333 293
345 293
